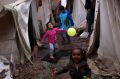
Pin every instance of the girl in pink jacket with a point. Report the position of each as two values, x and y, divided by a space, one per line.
51 36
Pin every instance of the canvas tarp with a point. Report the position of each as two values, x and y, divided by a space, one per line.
4 2
54 4
35 19
14 33
44 12
108 59
8 44
79 13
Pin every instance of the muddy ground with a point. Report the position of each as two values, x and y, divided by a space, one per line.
43 66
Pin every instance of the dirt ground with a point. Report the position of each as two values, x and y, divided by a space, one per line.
43 66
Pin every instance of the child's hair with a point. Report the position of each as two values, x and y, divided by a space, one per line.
47 25
61 8
82 54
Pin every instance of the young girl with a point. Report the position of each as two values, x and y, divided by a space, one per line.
78 67
51 36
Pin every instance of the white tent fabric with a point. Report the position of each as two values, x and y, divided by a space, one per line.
108 60
4 2
44 12
19 13
83 1
79 13
109 50
35 19
22 8
54 4
19 46
63 3
8 44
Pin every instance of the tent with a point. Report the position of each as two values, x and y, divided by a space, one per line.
105 38
7 34
44 13
16 19
79 13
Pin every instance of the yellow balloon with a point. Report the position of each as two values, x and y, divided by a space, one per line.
71 32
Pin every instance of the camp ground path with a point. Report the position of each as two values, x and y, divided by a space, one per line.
43 66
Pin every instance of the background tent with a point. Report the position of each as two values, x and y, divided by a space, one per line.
79 13
14 30
44 12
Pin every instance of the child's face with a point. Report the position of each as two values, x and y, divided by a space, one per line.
50 25
76 56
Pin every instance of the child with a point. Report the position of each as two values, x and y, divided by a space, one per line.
78 67
51 36
65 22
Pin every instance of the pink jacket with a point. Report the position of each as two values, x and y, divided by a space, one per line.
51 35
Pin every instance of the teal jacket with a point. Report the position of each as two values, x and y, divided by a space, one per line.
65 20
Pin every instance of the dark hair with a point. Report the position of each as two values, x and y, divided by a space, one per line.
82 53
47 25
61 8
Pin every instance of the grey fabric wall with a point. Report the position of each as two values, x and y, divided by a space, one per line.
7 37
